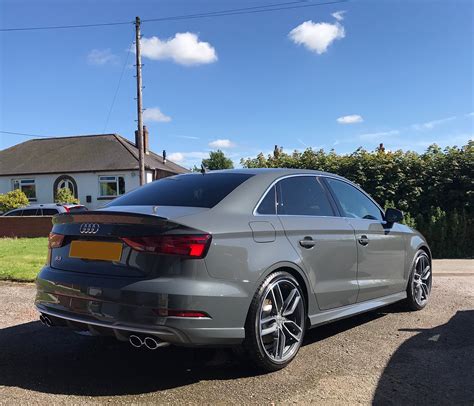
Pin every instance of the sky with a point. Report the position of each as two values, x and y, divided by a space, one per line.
336 76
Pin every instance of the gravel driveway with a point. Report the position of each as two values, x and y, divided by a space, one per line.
384 357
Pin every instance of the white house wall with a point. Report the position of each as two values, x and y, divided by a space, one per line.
87 184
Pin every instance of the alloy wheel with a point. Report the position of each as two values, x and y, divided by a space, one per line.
422 280
281 320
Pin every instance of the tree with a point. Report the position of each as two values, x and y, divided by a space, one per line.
217 160
13 200
434 189
65 196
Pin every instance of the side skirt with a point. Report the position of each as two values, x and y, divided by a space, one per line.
328 316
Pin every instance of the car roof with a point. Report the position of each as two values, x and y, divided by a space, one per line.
276 172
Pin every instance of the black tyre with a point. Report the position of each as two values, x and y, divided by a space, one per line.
276 322
420 282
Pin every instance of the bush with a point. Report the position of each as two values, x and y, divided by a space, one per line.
434 189
65 196
13 200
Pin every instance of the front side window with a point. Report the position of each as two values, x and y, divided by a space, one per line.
111 186
353 202
27 186
303 196
50 212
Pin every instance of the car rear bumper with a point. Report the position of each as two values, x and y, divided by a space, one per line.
125 306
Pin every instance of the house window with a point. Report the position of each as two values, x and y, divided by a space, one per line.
111 186
27 186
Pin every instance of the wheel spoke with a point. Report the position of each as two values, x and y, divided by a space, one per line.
418 294
426 273
269 330
287 331
287 310
424 287
288 300
281 344
267 320
279 296
293 324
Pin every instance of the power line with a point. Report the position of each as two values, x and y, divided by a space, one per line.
63 27
247 10
25 134
222 13
117 88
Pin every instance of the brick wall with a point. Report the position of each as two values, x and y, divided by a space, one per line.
13 226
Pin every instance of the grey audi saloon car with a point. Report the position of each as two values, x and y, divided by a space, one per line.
239 257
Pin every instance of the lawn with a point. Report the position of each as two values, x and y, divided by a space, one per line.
22 258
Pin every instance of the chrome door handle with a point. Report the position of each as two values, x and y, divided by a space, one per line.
363 240
307 242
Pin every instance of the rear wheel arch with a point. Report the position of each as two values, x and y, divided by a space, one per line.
295 271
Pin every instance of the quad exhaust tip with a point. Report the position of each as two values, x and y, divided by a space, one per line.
149 342
46 321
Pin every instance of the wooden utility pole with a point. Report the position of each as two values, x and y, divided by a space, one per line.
138 64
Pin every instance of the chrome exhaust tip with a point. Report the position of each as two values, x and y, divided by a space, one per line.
135 341
45 320
151 343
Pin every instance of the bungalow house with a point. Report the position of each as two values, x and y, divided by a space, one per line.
96 168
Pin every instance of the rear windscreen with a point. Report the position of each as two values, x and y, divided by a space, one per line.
192 190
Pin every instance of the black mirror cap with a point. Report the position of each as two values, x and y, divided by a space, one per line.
393 215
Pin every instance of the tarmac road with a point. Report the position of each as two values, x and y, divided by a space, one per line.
384 357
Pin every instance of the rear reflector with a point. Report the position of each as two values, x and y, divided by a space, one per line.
190 246
180 313
55 240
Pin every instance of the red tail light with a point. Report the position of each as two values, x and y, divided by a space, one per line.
191 246
55 240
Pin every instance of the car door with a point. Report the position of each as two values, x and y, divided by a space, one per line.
380 245
324 241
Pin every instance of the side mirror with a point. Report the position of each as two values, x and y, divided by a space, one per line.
393 215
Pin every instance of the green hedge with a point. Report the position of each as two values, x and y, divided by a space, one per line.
434 189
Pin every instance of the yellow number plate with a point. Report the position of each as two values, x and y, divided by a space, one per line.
105 251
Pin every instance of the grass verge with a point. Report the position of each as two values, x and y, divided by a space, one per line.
22 258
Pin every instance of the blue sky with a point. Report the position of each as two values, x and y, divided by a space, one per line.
397 72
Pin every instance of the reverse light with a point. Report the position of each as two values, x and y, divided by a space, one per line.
190 246
55 240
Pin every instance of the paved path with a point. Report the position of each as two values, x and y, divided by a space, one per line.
384 357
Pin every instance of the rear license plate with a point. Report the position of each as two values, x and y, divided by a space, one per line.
104 251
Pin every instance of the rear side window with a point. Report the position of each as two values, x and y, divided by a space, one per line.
268 204
14 213
30 212
50 212
193 190
303 196
353 202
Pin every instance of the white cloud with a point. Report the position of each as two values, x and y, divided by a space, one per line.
176 157
155 114
101 57
429 125
188 137
225 143
184 48
470 114
316 36
188 159
339 15
371 136
351 119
